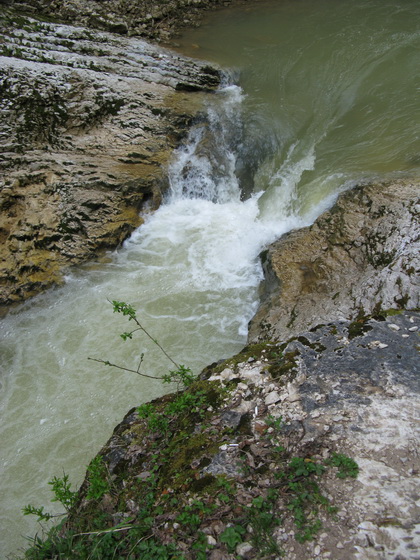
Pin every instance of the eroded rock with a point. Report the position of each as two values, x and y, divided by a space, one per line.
327 469
144 18
361 255
88 122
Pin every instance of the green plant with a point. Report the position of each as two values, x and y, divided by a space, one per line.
305 496
347 467
232 536
299 467
97 477
182 375
42 515
262 518
200 546
273 422
62 493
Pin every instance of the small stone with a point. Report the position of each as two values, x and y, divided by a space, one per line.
211 541
339 545
413 329
143 475
272 398
317 550
243 548
393 327
377 344
405 336
227 374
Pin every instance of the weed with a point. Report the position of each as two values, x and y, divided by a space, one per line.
273 422
347 467
97 477
232 536
62 493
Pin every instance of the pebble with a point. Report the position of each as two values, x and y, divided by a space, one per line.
393 327
413 329
272 398
339 545
317 550
243 548
377 344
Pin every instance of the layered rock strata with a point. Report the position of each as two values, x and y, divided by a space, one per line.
88 121
144 18
358 257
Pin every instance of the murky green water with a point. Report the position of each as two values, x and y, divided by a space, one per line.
332 89
327 95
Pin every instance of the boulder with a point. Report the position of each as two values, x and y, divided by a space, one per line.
357 258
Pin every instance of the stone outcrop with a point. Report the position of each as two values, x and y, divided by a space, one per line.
306 449
360 256
144 18
88 121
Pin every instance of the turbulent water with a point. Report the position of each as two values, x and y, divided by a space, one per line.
323 94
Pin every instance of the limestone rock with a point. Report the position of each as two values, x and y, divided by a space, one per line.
88 121
361 255
356 402
145 18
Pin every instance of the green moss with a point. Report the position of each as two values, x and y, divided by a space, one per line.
359 327
284 364
254 351
317 346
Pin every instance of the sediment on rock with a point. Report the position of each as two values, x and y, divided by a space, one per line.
88 124
358 257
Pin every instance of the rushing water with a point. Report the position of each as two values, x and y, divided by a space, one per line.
327 95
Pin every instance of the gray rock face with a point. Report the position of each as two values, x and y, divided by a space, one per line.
88 121
361 255
356 390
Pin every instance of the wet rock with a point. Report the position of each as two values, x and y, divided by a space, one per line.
152 20
360 256
88 122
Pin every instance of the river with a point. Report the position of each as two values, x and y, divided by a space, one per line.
322 94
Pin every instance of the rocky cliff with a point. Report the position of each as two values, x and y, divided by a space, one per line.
88 121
